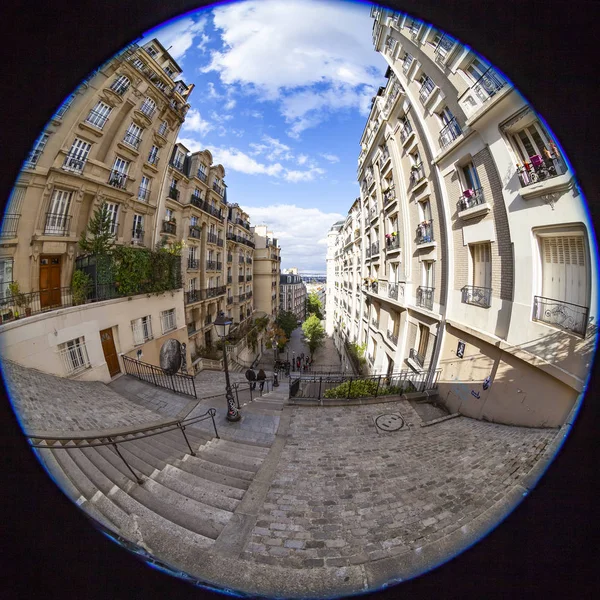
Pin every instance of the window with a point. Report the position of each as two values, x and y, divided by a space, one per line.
427 87
148 107
423 340
202 172
178 159
427 274
162 130
144 191
193 221
118 175
113 211
64 107
77 156
120 84
6 276
470 179
133 135
99 115
139 64
152 51
138 228
153 155
142 330
192 284
57 219
169 214
482 265
36 151
74 356
169 71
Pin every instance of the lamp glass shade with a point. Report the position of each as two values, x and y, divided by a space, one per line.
222 325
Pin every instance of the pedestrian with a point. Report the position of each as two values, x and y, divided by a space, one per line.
261 379
298 364
302 356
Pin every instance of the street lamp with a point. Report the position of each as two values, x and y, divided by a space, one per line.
222 326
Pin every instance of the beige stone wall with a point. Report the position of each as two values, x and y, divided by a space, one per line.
520 394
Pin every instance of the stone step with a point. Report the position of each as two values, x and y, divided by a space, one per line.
138 450
139 466
157 532
182 510
235 459
215 472
196 437
196 488
257 451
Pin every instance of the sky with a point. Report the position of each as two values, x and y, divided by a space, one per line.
283 92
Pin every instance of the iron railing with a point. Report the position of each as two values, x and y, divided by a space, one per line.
405 131
169 227
202 176
426 90
181 383
143 194
417 172
567 316
74 162
450 132
33 303
471 198
194 232
392 337
425 297
97 119
57 224
392 243
193 263
211 238
192 296
489 84
173 193
425 232
205 206
315 386
132 140
443 48
393 291
117 179
539 169
375 249
479 296
418 358
9 227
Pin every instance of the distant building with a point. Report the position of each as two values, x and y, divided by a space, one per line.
292 294
267 268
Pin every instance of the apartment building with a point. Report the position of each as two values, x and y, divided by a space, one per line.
292 294
267 271
476 249
109 143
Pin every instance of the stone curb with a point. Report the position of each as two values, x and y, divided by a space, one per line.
440 420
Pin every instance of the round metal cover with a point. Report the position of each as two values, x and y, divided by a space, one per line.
390 422
250 375
170 356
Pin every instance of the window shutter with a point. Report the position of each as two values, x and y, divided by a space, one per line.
564 269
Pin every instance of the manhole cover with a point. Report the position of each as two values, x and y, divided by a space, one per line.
389 422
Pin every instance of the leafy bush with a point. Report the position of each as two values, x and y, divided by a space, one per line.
367 388
81 286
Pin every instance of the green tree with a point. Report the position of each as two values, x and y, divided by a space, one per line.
314 306
288 322
99 227
313 332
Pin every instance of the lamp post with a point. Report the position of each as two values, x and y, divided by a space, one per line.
222 325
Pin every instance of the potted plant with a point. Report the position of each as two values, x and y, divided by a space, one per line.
19 299
468 193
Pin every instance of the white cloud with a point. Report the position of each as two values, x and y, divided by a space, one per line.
301 158
212 92
296 229
272 149
195 122
297 176
312 56
220 118
178 37
332 158
204 39
230 105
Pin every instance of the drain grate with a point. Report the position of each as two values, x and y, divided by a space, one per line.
390 422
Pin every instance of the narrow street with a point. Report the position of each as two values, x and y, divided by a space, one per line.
325 356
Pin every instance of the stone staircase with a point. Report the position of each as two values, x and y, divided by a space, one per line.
183 503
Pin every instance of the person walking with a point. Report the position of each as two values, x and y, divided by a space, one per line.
261 379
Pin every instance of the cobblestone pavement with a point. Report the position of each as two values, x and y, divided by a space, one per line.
47 403
326 355
345 494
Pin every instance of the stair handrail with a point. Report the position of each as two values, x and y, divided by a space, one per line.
96 439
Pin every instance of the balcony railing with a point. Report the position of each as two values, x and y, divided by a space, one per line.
567 316
393 338
240 278
74 162
195 232
471 198
392 242
407 63
177 164
57 224
393 291
211 265
426 90
148 109
373 212
173 193
205 206
418 358
193 296
143 194
248 277
374 249
479 296
193 263
97 119
137 237
417 172
405 131
220 242
425 297
389 196
249 261
425 232
450 132
132 140
540 169
375 323
9 226
169 227
489 84
444 47
229 258
211 238
217 189
117 179
202 176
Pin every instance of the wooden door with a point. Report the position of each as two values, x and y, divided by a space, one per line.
110 352
50 281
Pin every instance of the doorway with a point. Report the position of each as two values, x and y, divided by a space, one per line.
110 352
50 281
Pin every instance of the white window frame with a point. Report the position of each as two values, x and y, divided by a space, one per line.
120 84
99 115
58 208
168 320
74 356
162 130
480 276
142 330
77 156
113 210
152 51
148 107
153 155
6 276
144 189
36 150
138 221
133 135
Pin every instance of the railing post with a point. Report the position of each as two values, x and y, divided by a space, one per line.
138 479
378 384
349 388
186 439
153 377
320 383
211 412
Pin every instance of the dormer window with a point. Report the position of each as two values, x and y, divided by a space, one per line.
169 71
152 51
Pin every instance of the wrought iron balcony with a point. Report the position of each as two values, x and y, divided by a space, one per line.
389 196
74 162
418 358
374 249
229 300
407 63
393 338
229 258
417 172
219 266
211 238
119 87
148 109
173 193
137 237
220 242
425 232
489 84
202 176
9 226
450 132
211 265
240 278
479 296
471 198
373 212
368 253
169 227
195 232
392 242
426 90
205 206
177 164
117 179
540 169
249 261
405 131
57 224
132 140
153 159
217 188
567 316
193 263
393 291
97 119
425 297
248 277
193 296
444 47
143 194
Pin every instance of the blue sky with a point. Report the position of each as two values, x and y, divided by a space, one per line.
283 90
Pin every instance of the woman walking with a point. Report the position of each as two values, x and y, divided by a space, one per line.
261 379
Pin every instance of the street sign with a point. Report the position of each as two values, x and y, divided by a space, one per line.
460 350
